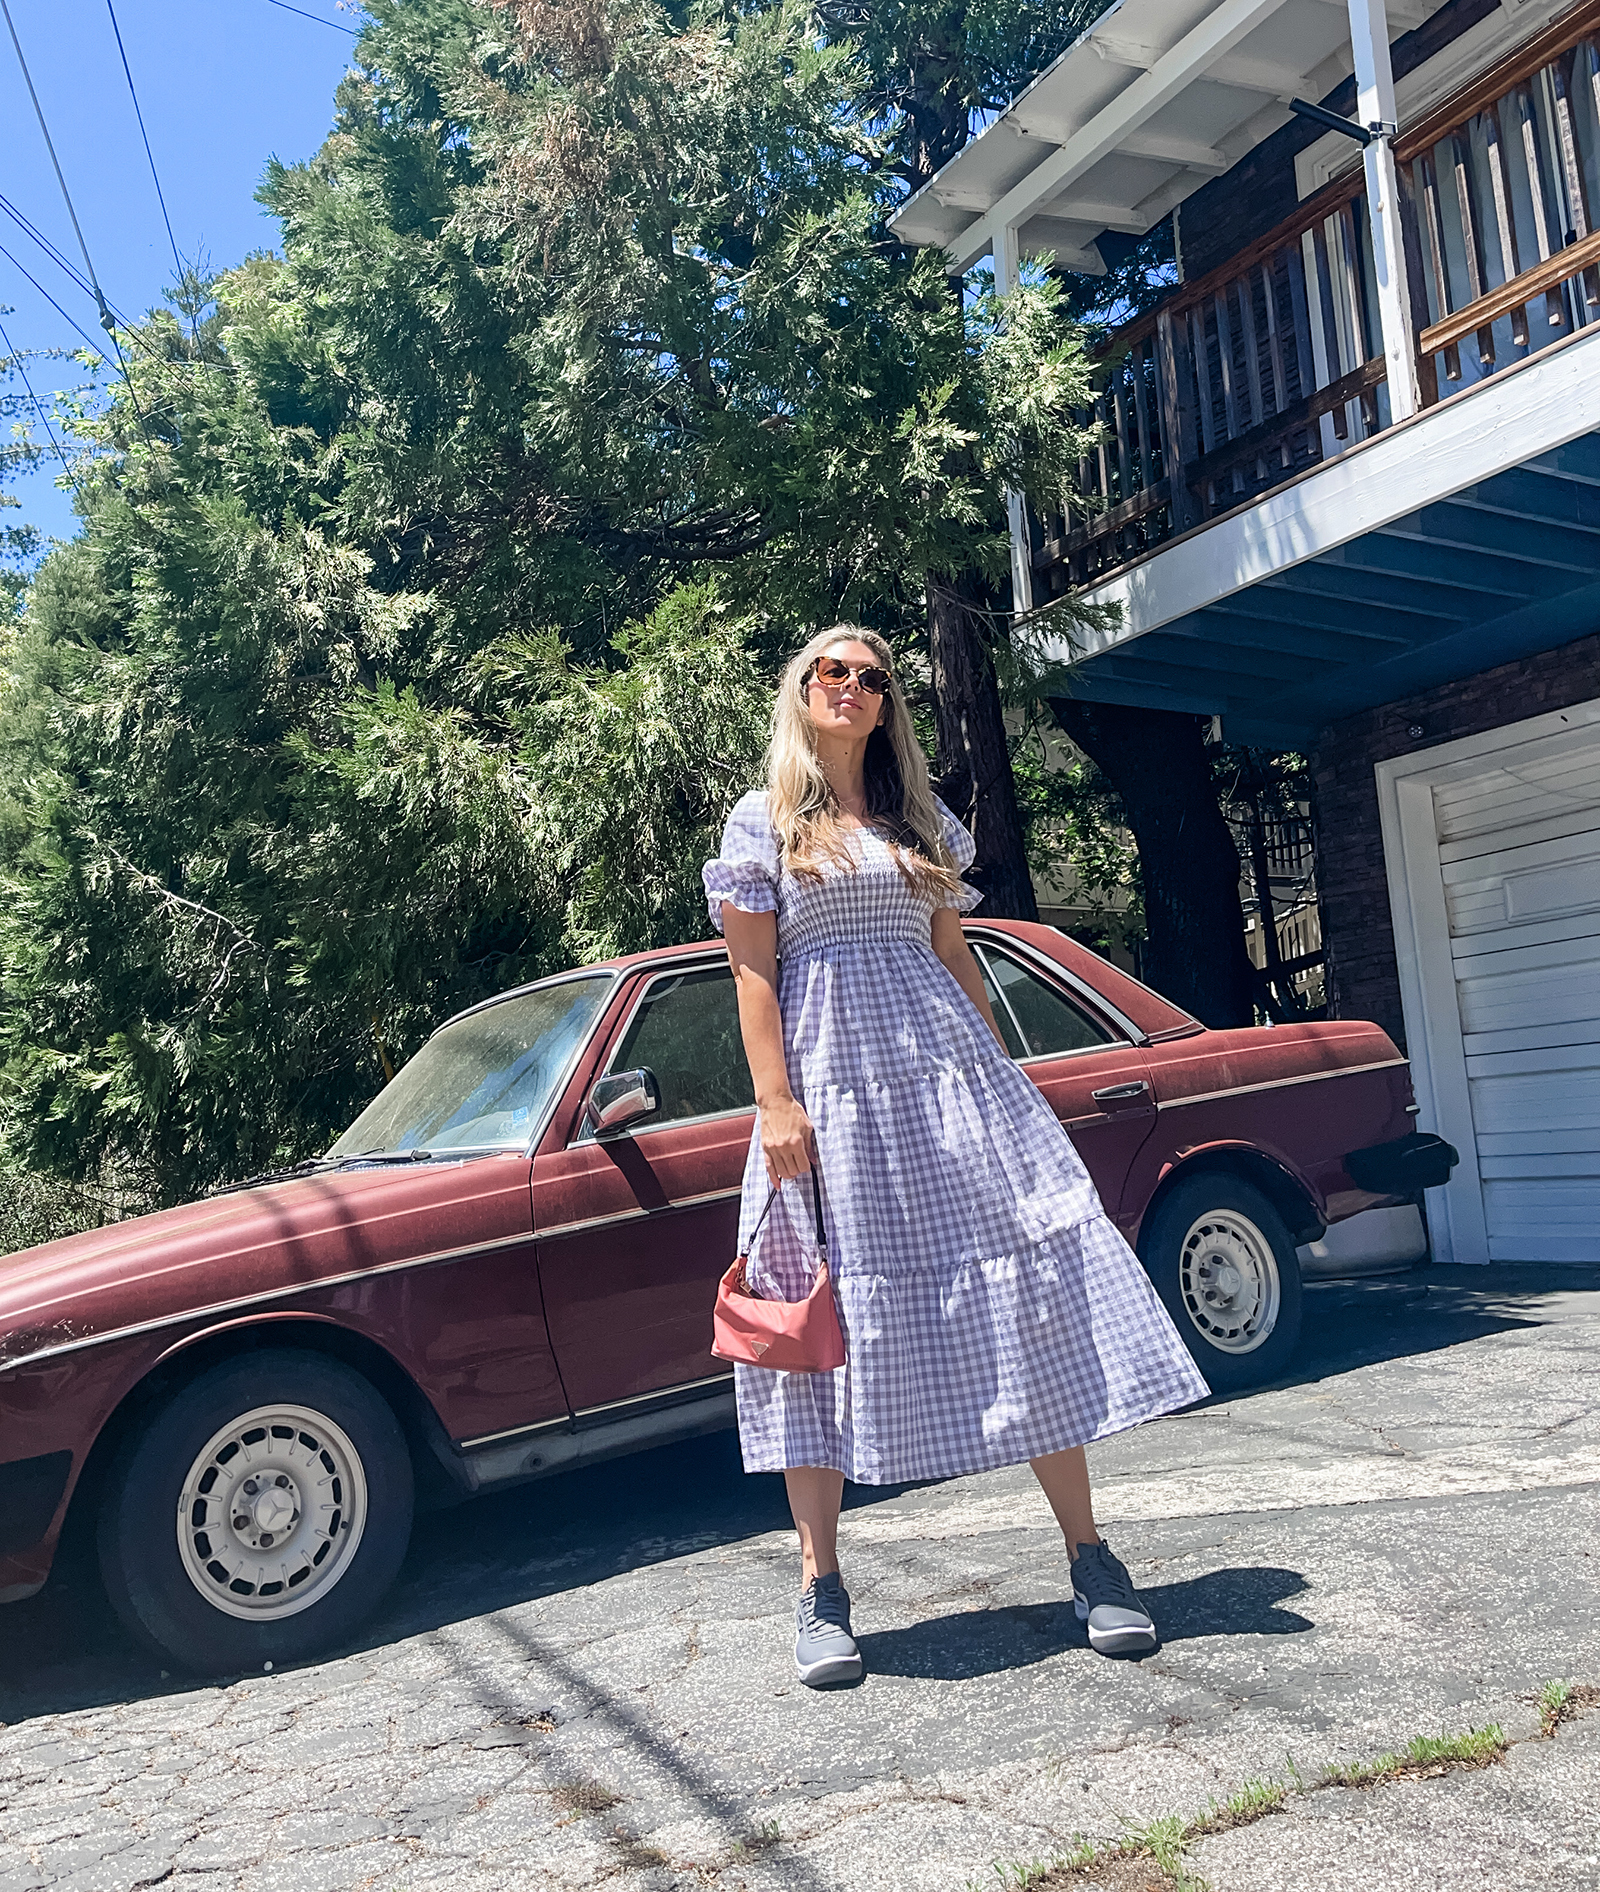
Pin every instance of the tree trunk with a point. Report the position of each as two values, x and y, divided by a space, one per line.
1156 761
974 764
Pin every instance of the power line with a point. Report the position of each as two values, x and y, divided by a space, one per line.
354 32
107 320
22 270
161 361
78 280
68 269
61 452
49 145
155 175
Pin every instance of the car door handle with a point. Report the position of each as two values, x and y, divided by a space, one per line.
1121 1093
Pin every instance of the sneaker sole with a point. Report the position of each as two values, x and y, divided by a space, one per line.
831 1669
1114 1641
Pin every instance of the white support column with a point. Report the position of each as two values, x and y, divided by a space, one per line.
1007 274
1375 109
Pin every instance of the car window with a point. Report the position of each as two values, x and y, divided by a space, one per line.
1002 1014
1049 1021
687 1032
484 1081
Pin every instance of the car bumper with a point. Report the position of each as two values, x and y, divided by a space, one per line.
1374 1241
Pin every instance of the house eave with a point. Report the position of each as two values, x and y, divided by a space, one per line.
1154 99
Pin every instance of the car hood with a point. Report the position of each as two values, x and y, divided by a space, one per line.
205 1255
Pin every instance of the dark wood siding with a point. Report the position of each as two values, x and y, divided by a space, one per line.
1259 192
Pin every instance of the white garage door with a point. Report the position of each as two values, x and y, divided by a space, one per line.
1519 857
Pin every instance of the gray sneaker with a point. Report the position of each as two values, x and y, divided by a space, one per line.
824 1649
1105 1599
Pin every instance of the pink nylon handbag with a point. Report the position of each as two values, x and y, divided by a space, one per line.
787 1336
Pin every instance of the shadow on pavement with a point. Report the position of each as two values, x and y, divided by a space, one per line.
64 1650
1350 1324
1236 1602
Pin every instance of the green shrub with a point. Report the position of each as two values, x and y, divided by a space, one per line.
36 1208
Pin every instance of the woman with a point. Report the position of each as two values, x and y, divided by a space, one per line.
991 1311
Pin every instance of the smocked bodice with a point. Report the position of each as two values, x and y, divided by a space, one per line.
869 903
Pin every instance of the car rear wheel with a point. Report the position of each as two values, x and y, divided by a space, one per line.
1224 1264
259 1515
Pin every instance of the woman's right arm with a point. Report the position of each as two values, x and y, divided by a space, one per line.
786 1135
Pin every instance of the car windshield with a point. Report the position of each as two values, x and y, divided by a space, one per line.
484 1082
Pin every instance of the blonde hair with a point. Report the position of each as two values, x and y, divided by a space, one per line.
802 806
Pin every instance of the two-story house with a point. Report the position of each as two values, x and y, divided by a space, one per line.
1348 499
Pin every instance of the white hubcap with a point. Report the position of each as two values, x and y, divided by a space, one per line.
271 1512
1228 1276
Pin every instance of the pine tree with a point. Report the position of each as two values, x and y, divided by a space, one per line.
419 638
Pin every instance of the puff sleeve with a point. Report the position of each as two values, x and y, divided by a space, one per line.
962 849
745 873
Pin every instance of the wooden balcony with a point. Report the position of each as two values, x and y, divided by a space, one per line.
1272 365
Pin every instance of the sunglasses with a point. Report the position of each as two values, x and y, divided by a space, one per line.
834 674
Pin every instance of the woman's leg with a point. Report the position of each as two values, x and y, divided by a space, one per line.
1103 1592
814 1498
1065 1478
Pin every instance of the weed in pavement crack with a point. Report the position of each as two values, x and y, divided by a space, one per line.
1153 1858
578 1797
1423 1758
1564 1701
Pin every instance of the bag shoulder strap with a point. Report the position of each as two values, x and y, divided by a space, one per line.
816 1214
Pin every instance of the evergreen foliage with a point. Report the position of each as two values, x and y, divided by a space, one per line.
19 543
418 640
933 68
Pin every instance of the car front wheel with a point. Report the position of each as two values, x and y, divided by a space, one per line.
259 1515
1223 1262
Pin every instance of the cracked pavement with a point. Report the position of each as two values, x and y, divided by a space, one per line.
588 1681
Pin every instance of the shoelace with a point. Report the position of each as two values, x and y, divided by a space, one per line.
826 1609
1103 1580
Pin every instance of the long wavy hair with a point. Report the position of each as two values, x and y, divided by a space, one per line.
804 810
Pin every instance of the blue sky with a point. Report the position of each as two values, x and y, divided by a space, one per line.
224 85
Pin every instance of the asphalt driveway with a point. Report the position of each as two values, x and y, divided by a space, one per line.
588 1682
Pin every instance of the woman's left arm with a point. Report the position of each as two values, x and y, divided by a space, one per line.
950 945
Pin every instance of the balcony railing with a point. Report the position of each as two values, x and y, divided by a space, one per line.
1274 361
1499 185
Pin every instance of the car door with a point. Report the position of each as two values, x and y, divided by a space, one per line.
1092 1075
635 1230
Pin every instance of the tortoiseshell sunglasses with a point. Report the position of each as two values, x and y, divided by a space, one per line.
834 674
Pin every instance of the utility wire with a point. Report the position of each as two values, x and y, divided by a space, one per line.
78 280
107 319
49 145
61 452
320 19
155 175
67 268
94 346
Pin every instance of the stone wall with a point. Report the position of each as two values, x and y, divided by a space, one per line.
1357 934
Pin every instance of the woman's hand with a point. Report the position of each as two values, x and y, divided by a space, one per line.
788 1143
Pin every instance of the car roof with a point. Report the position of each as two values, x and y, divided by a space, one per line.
1154 1015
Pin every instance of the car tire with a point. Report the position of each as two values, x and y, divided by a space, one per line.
259 1515
1223 1262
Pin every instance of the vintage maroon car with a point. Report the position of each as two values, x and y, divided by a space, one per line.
506 1267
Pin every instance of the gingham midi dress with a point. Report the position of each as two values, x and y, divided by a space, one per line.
991 1311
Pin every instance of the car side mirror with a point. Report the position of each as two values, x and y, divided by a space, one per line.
622 1098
